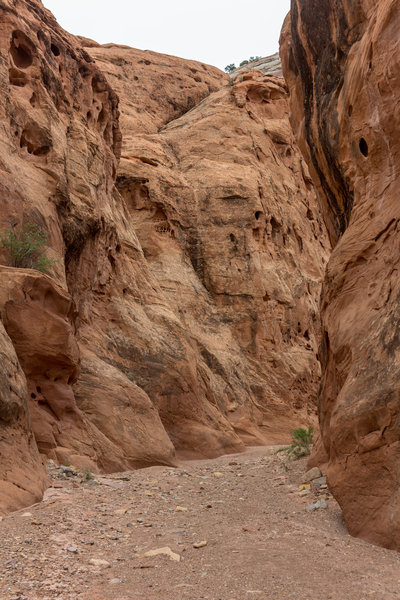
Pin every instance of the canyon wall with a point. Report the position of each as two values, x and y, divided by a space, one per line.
225 213
340 60
180 312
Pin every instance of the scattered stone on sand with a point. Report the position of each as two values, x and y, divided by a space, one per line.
312 474
166 551
200 544
99 562
316 505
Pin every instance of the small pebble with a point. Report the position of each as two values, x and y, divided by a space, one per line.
99 562
200 544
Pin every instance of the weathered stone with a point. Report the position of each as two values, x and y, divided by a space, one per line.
22 476
316 505
313 473
100 562
340 60
164 551
201 544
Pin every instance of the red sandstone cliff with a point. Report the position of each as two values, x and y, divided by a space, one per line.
182 310
340 60
227 220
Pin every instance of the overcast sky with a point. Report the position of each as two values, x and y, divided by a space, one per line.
217 32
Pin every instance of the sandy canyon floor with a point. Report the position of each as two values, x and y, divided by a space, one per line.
233 528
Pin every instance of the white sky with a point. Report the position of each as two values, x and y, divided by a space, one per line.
217 32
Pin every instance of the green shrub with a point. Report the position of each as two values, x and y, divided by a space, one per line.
88 475
26 247
301 443
230 68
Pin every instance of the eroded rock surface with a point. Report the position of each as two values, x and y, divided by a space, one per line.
59 147
269 65
181 312
225 213
341 63
22 476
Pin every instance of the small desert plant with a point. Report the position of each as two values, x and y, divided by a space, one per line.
230 68
26 247
88 475
301 443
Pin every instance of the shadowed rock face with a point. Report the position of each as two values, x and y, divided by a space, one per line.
340 60
181 312
22 476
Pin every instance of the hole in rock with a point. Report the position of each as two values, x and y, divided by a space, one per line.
55 50
33 395
276 226
35 140
310 215
98 84
159 215
136 78
306 335
363 147
38 389
17 78
33 99
20 51
112 260
84 70
350 110
258 214
102 117
232 237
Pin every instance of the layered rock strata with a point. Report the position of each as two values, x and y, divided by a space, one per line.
269 65
340 60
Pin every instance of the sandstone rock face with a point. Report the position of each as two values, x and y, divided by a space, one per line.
59 148
181 312
22 476
340 60
227 220
269 65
